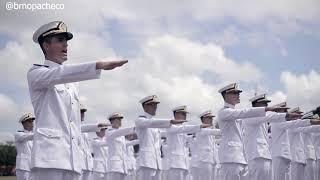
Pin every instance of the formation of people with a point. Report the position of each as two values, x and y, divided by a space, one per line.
254 143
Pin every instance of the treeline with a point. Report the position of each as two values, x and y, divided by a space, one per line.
8 155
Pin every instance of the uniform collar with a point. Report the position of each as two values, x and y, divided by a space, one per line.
148 115
51 63
229 105
26 131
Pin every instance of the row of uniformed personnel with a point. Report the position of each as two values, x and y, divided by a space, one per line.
58 139
114 159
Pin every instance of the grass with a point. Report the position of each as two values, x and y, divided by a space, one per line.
7 178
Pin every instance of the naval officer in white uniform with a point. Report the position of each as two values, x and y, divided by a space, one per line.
178 153
100 155
280 147
147 129
55 98
117 160
298 161
23 141
87 169
256 140
231 151
205 146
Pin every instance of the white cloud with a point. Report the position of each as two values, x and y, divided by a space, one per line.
170 67
302 90
91 15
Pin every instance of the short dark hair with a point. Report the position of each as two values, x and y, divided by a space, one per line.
44 40
254 103
224 94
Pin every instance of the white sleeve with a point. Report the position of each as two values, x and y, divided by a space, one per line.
23 136
90 128
311 129
119 132
208 132
152 123
184 129
292 124
232 114
42 77
270 117
99 143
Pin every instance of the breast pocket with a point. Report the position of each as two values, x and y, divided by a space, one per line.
50 140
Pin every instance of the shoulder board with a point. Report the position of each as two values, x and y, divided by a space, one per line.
142 116
41 65
20 131
95 138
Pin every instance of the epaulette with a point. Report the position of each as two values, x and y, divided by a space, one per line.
20 131
41 65
142 116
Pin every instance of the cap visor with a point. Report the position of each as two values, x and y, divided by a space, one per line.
152 102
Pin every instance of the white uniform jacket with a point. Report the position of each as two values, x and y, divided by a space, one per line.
280 146
177 140
150 140
231 148
117 159
130 154
86 145
296 146
100 154
55 100
205 145
23 141
255 135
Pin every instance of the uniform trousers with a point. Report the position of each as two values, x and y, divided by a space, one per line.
22 174
233 171
297 171
145 173
310 170
281 168
217 169
318 169
99 175
86 175
259 168
194 173
205 171
177 174
131 174
116 176
53 174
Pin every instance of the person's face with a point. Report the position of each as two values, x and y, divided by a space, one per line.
180 115
232 97
82 113
151 108
207 120
116 123
101 133
28 124
261 104
130 137
57 48
283 111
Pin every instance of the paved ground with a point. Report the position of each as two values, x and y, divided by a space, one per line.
7 178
